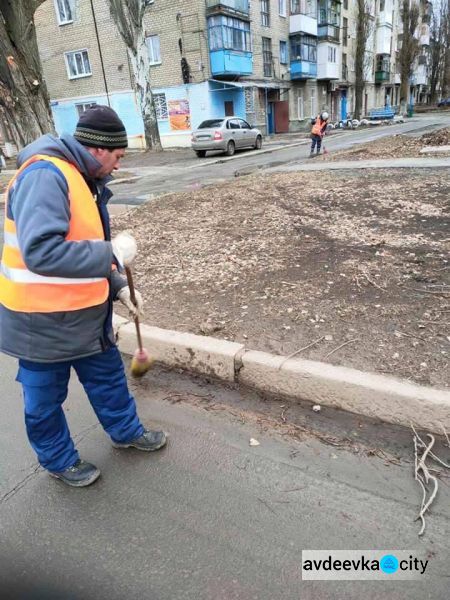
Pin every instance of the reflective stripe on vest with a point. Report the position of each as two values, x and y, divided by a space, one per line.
25 291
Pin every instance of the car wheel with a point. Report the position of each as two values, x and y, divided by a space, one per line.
231 148
258 143
200 153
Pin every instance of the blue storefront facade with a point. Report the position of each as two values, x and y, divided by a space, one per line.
180 109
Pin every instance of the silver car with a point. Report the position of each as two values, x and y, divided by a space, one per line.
227 134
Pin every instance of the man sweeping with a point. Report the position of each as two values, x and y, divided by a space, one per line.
59 276
319 126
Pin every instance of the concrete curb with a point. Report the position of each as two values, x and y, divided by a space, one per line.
377 396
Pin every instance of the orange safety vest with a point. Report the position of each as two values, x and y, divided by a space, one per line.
22 290
317 127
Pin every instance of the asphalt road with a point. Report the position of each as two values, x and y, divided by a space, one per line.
210 517
180 176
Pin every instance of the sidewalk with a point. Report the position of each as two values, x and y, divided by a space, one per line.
390 163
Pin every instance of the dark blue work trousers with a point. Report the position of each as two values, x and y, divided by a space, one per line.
45 388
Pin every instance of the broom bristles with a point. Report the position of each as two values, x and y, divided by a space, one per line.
140 363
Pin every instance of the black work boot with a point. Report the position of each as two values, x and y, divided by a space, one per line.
79 474
149 441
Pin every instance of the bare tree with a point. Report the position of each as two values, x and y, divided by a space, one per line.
363 23
446 70
128 16
409 49
24 100
437 49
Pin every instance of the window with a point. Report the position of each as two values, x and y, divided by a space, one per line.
229 33
249 100
344 31
233 124
64 11
154 51
78 64
313 103
345 4
300 107
161 106
344 67
304 7
304 47
267 56
381 5
209 124
244 124
84 106
282 8
265 13
283 53
331 54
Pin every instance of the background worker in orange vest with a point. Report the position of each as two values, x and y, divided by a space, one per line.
319 127
58 279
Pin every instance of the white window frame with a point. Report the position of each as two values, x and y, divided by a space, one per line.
79 75
82 106
282 10
154 60
264 5
160 111
332 54
286 56
313 101
63 4
300 107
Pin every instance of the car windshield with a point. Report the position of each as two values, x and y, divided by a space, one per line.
210 123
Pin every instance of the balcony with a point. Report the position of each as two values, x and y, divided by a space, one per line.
230 48
231 62
327 70
424 39
302 24
303 69
237 8
382 68
382 76
328 32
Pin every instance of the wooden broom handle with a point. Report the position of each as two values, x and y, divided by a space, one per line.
133 300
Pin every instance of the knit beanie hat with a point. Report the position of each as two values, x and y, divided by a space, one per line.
100 127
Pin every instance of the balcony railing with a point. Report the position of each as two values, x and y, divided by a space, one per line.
229 6
381 76
328 32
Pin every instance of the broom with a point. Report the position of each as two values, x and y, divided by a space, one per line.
141 361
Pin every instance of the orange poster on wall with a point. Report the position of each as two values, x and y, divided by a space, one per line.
179 115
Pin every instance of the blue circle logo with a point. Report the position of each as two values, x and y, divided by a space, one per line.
389 564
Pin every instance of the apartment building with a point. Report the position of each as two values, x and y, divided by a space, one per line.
275 63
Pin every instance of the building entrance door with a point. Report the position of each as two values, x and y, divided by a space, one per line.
343 105
229 108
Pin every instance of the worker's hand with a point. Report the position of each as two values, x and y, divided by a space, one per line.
124 248
124 296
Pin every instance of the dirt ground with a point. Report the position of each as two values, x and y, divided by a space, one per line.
396 146
349 268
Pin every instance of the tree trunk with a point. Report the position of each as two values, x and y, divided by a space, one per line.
24 100
128 17
360 55
446 73
408 51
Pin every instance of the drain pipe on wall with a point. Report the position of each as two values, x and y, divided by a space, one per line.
267 114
